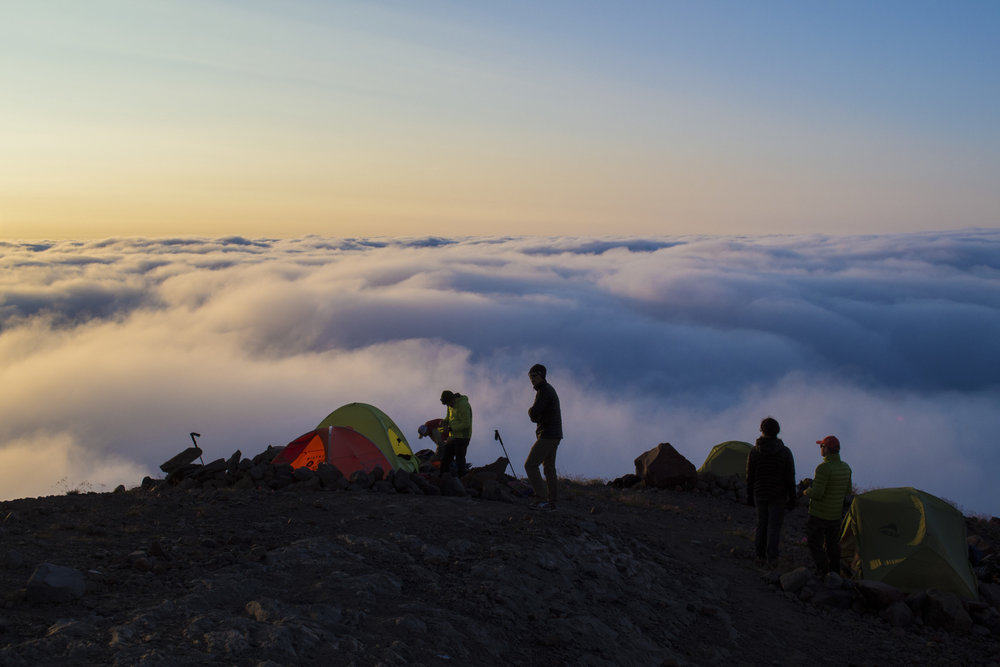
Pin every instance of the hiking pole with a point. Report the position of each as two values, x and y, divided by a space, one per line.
496 436
193 436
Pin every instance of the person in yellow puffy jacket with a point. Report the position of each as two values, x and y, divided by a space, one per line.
830 487
458 427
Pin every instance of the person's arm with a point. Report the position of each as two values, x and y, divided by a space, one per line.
818 488
540 406
792 488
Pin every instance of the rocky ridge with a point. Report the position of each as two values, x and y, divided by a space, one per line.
317 569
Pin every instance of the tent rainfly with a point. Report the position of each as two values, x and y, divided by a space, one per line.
909 539
726 459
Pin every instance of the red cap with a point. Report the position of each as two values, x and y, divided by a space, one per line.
831 443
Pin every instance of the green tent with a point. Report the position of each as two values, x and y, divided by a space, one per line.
375 425
909 539
726 459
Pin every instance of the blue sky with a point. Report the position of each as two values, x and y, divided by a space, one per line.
450 118
112 351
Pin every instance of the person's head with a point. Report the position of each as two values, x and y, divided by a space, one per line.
829 445
536 374
769 427
447 397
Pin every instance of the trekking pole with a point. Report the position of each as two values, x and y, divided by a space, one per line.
193 436
496 436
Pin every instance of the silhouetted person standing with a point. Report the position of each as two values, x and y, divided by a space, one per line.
771 487
831 485
546 414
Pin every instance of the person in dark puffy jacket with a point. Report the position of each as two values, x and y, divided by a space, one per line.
544 412
770 487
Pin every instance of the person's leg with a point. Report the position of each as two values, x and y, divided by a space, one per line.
775 517
815 536
447 455
549 467
461 446
535 458
541 452
832 538
760 537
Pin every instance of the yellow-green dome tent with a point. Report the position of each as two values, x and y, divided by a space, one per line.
726 459
375 425
909 539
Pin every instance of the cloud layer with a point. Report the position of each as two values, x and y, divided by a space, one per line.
112 351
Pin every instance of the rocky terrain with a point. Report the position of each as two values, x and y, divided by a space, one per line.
315 573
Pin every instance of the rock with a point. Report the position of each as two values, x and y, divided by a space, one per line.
233 464
833 598
987 617
663 467
498 467
833 580
792 581
14 560
625 481
990 593
943 609
330 476
181 460
400 480
897 614
878 595
54 583
361 479
452 486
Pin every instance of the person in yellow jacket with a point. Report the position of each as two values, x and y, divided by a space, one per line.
830 486
457 426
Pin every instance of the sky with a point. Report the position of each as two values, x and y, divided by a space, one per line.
383 119
113 350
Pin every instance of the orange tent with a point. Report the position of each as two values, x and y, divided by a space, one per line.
339 445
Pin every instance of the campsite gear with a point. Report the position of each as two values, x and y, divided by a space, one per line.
496 436
375 425
727 459
909 539
193 436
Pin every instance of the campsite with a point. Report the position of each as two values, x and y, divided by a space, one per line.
242 561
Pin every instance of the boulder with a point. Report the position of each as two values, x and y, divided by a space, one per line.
990 593
400 480
663 467
898 614
792 581
54 583
878 595
943 609
834 598
233 464
625 481
497 467
181 460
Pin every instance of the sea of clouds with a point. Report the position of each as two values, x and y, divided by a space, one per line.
112 351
